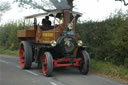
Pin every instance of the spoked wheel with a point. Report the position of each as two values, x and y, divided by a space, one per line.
47 64
21 55
25 54
85 63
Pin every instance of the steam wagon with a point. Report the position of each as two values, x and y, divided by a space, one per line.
53 44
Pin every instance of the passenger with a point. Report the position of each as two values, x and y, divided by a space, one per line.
48 22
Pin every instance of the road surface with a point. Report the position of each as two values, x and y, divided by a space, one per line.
12 74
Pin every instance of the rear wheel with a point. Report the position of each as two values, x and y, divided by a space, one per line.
25 54
85 63
47 64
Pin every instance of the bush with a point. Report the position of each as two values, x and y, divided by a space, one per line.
8 34
107 40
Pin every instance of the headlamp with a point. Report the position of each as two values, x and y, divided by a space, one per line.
53 43
80 43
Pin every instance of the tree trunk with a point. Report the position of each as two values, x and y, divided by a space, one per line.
70 3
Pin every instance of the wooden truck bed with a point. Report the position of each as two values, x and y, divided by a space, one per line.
26 33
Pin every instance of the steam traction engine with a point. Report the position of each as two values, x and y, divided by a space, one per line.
53 46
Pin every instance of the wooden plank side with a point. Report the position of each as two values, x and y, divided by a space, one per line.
26 33
46 40
47 37
20 33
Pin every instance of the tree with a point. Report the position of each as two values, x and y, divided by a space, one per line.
4 6
125 3
47 5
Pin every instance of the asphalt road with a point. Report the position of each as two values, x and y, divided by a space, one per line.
12 74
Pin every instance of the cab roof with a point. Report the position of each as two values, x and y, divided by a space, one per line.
56 13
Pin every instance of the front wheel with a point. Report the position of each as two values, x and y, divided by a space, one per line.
47 64
85 63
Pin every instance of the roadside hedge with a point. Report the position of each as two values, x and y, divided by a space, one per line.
107 40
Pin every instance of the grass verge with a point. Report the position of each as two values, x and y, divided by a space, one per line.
9 52
109 70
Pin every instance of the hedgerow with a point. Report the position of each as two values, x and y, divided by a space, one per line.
107 40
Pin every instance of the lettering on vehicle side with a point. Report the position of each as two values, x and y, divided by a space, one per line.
47 34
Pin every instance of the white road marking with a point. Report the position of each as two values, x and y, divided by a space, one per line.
53 83
3 61
31 72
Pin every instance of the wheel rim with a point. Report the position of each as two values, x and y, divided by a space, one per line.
21 54
84 66
44 64
83 69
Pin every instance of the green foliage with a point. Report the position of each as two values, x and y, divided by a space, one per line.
107 40
8 34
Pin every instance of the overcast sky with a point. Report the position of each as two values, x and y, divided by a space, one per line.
92 10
